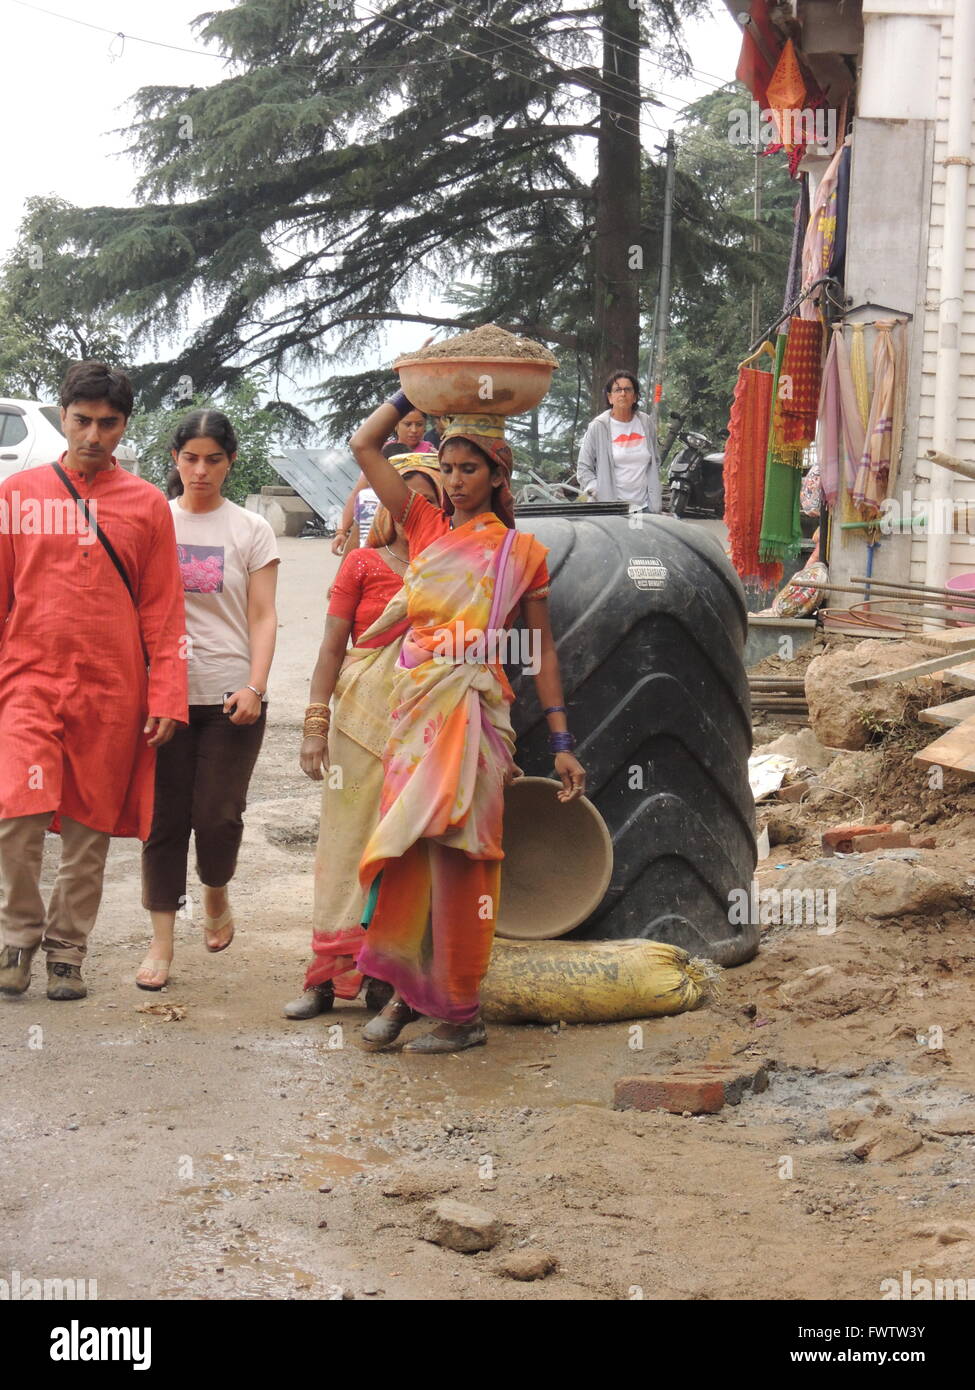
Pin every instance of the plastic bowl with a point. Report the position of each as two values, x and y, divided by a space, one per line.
963 584
558 861
475 385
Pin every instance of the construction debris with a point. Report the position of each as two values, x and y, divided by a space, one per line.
839 715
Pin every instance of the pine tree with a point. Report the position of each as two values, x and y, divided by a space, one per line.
354 158
711 303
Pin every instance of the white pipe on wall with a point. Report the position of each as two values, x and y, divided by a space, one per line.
958 164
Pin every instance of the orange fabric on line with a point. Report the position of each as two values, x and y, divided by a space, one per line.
802 365
74 691
744 473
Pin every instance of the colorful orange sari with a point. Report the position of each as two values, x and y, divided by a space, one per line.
437 848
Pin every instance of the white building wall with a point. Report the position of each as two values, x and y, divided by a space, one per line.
916 469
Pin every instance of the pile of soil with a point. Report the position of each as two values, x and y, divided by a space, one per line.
487 341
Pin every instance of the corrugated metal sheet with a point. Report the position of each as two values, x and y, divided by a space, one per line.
321 477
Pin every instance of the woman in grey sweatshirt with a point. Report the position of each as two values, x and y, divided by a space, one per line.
618 459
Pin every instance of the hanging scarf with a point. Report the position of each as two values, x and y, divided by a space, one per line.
800 221
900 402
858 366
801 369
836 265
781 530
486 432
870 484
817 247
859 413
841 433
744 473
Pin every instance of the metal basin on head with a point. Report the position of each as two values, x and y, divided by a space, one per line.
475 385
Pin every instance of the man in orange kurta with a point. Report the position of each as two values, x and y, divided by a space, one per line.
80 716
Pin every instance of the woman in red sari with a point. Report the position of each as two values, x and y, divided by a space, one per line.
342 750
432 865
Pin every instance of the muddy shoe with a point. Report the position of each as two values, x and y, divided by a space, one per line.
64 981
15 963
386 1027
450 1037
378 993
317 1000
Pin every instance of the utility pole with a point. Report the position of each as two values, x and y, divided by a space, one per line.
660 356
756 327
617 252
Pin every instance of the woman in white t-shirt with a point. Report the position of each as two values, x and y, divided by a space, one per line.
229 562
618 457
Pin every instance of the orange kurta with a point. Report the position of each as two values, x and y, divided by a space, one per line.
74 691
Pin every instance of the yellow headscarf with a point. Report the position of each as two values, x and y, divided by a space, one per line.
382 531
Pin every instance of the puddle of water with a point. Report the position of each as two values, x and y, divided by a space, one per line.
330 1163
243 1273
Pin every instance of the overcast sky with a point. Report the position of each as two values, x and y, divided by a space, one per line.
65 87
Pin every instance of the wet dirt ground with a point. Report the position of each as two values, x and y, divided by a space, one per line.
233 1154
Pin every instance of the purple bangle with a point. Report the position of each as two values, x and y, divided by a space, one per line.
402 403
561 742
555 709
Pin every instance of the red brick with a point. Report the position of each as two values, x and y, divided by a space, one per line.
840 839
736 1078
702 1088
701 1095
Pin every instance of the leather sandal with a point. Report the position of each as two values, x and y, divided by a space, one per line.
458 1037
212 925
154 967
385 1028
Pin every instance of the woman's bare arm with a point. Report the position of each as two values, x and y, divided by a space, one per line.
331 654
367 447
548 684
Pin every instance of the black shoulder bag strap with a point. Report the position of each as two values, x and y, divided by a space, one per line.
110 550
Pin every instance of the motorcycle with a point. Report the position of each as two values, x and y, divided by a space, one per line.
696 477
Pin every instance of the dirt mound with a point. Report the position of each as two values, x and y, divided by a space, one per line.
845 718
487 341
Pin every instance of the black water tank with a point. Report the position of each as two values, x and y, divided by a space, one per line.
650 625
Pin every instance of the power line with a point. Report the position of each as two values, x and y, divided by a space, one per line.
118 33
532 51
468 53
496 28
222 57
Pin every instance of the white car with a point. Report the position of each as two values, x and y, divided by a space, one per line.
30 434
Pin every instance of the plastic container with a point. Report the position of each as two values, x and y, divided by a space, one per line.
650 626
963 584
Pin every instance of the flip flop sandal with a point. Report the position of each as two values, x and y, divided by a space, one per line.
212 925
154 966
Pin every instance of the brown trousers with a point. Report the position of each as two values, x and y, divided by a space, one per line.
202 776
64 928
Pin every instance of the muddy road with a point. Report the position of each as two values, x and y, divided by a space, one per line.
229 1153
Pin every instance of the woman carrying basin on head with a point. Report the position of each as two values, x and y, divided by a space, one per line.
432 865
